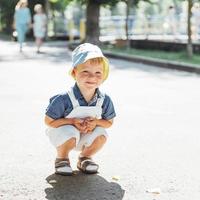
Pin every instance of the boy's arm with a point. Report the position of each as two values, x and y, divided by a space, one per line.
55 123
104 123
93 122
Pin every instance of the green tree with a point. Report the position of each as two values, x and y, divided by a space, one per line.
7 9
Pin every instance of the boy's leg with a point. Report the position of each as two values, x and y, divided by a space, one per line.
62 162
64 139
91 144
94 147
64 149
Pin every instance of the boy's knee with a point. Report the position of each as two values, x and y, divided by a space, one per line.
72 141
101 139
97 142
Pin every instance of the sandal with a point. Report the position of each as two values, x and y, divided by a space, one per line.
87 166
62 167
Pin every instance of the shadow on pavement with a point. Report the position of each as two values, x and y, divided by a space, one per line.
82 187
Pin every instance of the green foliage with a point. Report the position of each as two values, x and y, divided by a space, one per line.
7 9
106 2
53 1
59 4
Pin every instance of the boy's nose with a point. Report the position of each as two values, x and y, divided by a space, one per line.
91 75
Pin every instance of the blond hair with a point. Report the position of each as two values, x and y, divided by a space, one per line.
37 7
20 3
94 61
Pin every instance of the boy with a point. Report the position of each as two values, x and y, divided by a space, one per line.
78 118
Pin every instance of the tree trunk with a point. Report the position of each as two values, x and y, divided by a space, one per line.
92 22
189 44
127 15
47 9
129 4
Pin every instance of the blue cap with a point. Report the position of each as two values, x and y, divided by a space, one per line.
87 51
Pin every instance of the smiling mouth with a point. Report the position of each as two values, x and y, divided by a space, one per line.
91 83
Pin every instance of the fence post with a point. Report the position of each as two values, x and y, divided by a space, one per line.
71 30
82 30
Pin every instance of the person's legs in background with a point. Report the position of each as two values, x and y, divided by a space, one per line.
38 42
21 32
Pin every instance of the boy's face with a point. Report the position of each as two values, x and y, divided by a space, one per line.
89 75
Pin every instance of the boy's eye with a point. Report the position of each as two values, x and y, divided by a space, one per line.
98 73
85 72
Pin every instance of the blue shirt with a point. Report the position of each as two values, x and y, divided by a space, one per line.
22 16
60 105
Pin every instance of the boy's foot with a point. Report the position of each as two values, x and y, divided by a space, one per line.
86 165
62 167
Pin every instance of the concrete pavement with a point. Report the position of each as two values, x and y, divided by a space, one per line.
154 142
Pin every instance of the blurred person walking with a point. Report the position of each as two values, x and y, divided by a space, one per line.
22 21
172 21
39 25
196 21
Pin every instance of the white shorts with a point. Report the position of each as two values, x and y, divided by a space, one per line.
60 135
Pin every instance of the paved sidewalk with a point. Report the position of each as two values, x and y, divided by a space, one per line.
154 143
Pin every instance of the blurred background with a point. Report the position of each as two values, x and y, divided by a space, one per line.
172 25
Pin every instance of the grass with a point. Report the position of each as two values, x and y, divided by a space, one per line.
158 54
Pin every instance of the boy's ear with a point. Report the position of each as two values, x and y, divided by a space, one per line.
73 73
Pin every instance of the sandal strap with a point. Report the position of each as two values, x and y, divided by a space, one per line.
85 161
59 162
81 159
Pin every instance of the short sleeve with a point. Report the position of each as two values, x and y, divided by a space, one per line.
108 111
56 108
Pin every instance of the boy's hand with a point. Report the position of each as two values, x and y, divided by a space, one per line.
80 124
91 124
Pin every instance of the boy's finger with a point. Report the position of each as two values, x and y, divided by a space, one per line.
90 118
80 120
